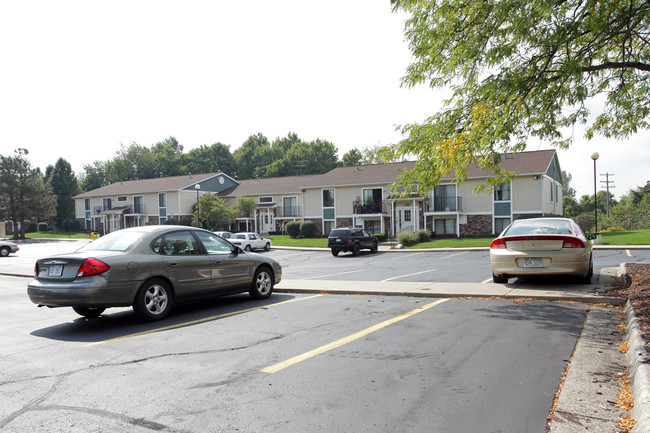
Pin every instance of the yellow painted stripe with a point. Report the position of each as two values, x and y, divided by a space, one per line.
194 322
338 343
489 280
407 275
629 253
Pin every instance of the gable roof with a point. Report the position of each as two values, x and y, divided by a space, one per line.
524 163
157 184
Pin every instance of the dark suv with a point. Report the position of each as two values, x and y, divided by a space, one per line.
351 239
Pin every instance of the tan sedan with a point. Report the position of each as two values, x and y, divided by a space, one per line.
541 246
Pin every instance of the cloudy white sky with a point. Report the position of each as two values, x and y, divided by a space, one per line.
80 78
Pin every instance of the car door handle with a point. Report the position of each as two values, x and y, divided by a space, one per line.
217 263
173 264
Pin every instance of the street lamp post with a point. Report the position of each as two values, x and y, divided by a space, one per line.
595 156
197 187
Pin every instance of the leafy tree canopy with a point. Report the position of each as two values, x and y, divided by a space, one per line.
518 70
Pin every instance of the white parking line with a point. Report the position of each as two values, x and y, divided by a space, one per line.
332 275
407 275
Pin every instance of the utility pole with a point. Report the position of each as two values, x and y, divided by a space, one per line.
607 184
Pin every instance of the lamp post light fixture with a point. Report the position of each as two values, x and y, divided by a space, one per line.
595 156
197 187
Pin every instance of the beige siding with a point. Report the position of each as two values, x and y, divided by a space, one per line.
313 203
474 202
526 194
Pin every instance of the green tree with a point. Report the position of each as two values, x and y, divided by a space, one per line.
208 159
167 157
215 212
245 155
353 157
94 176
24 195
245 206
65 186
518 70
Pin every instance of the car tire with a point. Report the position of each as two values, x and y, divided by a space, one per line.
89 312
248 248
262 284
4 251
374 248
154 300
497 279
267 246
355 250
590 273
335 252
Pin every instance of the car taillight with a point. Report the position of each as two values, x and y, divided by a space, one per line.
90 267
498 244
36 269
572 243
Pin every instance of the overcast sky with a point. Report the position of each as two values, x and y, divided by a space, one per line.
80 78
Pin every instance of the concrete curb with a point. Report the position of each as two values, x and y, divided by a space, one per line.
638 368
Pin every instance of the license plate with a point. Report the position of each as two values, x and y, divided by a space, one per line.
533 263
55 271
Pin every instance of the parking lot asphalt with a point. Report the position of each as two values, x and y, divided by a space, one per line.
591 383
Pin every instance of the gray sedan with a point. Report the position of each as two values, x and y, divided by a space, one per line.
7 247
149 268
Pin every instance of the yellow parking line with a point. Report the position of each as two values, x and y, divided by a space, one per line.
489 280
194 322
407 275
629 253
332 275
338 343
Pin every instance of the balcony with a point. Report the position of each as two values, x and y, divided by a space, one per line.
367 208
447 204
287 212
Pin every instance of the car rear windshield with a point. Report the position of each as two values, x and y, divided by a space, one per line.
116 241
339 233
540 227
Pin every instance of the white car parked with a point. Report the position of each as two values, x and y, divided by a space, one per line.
250 241
7 247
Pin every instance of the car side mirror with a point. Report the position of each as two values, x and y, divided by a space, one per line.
237 250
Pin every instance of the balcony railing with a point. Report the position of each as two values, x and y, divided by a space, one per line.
287 211
447 204
365 208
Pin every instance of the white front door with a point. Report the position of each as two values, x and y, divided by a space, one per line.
267 223
405 219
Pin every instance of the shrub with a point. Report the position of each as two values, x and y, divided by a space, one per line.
307 229
70 225
381 237
423 235
407 239
293 229
43 226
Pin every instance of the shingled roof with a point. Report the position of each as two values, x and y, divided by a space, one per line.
157 184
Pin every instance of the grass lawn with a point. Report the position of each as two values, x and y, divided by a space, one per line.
286 241
59 235
632 237
454 243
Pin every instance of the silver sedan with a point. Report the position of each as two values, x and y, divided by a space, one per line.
7 247
541 246
149 268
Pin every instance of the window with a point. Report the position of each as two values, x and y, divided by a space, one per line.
162 200
121 198
328 198
502 193
290 206
162 207
181 244
500 224
444 198
138 205
106 204
265 200
328 226
445 226
406 216
214 244
372 226
87 204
